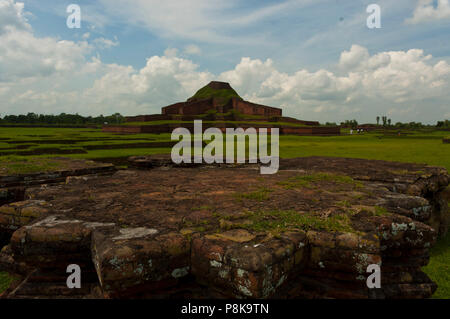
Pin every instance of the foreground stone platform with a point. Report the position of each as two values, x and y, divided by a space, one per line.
310 231
47 171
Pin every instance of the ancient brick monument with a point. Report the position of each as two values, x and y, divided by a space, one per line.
219 103
197 106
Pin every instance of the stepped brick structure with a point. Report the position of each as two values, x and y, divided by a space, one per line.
220 103
203 106
196 106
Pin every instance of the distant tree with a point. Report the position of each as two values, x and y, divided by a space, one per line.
61 119
443 124
350 123
378 120
389 122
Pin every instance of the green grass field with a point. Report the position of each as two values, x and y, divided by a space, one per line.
5 281
424 146
439 268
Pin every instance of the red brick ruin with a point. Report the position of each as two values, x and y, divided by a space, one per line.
197 107
223 110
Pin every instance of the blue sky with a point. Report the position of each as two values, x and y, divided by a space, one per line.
315 58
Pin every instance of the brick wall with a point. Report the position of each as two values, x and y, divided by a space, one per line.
322 130
201 107
148 118
173 108
249 108
191 108
122 129
293 120
168 128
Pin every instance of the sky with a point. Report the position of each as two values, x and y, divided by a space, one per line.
316 59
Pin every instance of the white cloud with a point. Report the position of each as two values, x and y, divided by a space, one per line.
201 20
249 74
22 55
171 52
12 16
161 81
398 80
426 11
103 43
192 49
354 58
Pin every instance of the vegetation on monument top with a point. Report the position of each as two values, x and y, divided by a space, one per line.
225 95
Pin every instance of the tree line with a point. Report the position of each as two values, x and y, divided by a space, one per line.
387 123
61 119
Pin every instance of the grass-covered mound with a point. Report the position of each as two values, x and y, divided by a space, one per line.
222 91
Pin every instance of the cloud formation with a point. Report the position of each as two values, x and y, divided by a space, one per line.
12 16
213 21
24 56
426 11
192 49
103 43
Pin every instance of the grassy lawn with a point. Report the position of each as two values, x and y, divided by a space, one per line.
5 281
423 146
439 268
417 148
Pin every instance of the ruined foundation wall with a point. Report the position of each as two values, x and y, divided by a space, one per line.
293 120
311 130
158 256
249 108
191 108
148 118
